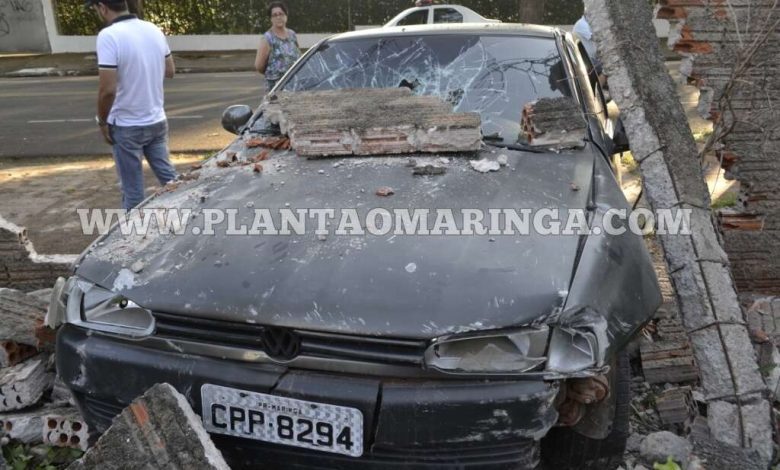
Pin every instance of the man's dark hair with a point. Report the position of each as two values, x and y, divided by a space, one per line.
277 5
117 6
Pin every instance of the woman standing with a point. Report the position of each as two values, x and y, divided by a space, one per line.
278 49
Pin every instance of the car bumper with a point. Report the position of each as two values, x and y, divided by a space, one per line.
407 423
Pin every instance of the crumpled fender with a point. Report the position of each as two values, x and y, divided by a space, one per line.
614 291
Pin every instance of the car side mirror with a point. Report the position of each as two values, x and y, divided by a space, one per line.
235 117
620 142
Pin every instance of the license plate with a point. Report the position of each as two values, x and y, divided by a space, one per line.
280 420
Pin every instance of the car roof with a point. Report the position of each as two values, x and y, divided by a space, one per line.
450 28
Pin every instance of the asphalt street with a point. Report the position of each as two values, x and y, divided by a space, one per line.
43 117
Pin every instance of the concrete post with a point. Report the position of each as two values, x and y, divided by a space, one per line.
661 142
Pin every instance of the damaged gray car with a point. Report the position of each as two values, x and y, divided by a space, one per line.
418 350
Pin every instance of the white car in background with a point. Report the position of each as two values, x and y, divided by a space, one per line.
435 14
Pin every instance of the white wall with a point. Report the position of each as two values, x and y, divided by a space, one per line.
215 42
22 27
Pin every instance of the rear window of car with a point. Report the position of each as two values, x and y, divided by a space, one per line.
494 75
414 18
447 15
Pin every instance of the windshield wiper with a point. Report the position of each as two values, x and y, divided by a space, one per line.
494 140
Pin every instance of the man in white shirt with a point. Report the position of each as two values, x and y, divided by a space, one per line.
133 61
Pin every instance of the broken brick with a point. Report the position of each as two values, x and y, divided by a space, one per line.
262 156
371 122
23 385
385 192
20 316
258 168
746 222
554 122
158 430
29 427
668 362
675 405
65 428
12 353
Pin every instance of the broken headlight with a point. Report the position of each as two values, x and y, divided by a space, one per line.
505 353
95 308
572 351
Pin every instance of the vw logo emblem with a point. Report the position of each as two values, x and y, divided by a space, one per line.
280 343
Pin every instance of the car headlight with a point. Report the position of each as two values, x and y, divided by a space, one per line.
572 351
95 308
512 352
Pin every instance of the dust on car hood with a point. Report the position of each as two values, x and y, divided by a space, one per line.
412 286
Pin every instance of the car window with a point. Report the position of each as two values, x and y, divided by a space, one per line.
447 15
493 75
413 18
593 80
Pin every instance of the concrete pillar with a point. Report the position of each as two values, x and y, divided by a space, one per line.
23 27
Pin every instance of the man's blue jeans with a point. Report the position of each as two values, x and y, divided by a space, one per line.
131 144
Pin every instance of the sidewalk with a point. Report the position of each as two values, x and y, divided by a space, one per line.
45 65
74 65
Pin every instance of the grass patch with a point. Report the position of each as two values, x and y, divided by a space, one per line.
24 457
728 199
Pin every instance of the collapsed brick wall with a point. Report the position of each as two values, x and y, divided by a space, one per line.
23 269
713 36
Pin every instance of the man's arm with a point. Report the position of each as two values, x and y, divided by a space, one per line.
170 66
106 96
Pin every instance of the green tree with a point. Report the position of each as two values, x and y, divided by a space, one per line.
306 16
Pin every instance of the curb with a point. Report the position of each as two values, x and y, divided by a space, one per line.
55 72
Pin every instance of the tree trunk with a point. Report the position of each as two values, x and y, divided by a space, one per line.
532 11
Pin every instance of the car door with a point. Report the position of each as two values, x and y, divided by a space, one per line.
447 15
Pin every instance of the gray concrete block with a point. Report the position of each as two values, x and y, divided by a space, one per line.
28 426
24 385
20 315
158 430
692 296
65 428
713 363
743 360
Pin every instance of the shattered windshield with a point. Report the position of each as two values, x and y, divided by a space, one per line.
492 75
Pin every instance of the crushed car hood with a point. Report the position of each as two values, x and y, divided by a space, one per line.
411 286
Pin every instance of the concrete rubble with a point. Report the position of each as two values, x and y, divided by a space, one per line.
662 144
35 408
23 385
668 361
65 428
371 122
35 426
554 122
657 447
21 319
719 456
675 406
158 430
